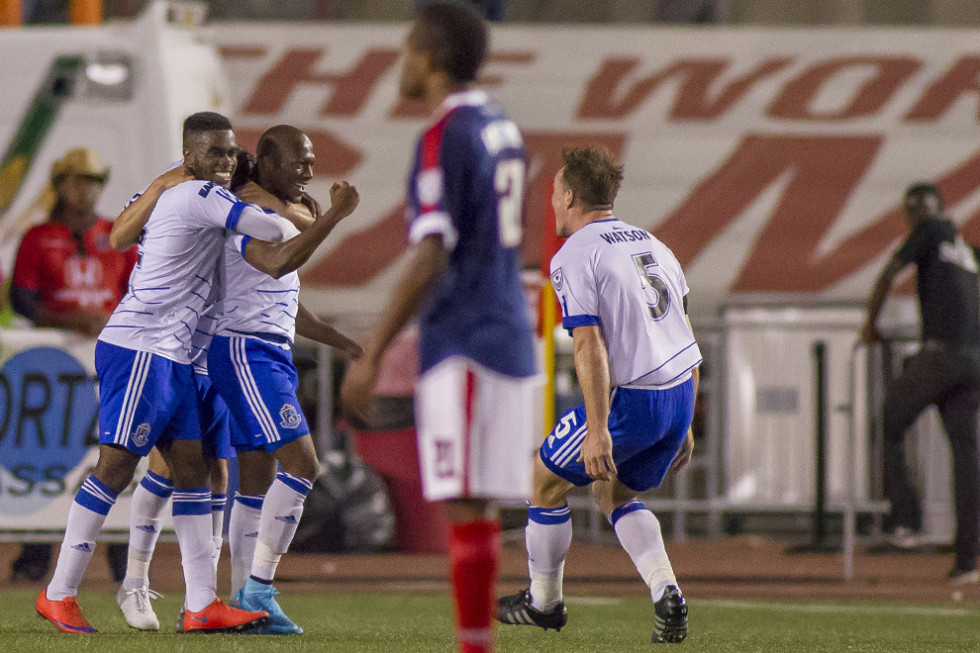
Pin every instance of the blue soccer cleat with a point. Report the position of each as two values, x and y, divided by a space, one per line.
259 596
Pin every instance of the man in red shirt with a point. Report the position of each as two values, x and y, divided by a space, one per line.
68 276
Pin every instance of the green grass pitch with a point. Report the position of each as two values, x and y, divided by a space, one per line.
408 623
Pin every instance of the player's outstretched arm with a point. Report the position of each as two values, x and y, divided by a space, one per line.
128 226
425 268
310 326
280 258
869 332
592 367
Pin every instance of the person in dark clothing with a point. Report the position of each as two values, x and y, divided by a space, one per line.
945 372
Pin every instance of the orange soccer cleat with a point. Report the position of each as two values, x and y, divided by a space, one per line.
65 614
220 618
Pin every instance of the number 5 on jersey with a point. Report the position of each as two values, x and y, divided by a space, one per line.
654 288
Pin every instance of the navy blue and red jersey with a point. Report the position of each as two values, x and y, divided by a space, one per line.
467 185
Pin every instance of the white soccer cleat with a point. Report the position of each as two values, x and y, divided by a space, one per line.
135 606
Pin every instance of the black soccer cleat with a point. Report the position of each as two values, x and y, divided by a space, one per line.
516 610
670 625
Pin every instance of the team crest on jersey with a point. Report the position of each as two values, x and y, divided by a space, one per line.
557 280
289 416
141 435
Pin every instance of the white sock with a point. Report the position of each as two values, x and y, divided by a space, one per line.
192 523
145 517
281 510
218 502
548 536
243 533
85 518
638 531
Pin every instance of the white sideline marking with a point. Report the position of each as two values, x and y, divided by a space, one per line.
838 609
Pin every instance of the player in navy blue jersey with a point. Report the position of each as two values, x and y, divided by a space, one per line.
474 399
944 372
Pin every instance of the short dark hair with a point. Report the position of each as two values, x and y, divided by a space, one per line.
593 174
204 121
920 188
455 36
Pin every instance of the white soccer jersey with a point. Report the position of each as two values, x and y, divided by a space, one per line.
627 282
255 304
174 275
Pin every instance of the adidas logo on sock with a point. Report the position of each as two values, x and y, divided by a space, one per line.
252 534
149 528
84 547
289 519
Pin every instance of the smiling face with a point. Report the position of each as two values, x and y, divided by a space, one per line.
211 155
291 169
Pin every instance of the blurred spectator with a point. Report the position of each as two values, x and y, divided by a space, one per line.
67 276
691 11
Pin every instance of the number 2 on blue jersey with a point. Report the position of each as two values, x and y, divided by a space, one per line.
509 183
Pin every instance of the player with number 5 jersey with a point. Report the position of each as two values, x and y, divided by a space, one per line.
624 300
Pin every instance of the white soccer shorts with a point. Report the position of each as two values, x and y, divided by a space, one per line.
477 432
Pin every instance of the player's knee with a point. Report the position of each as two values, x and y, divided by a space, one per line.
187 469
115 467
611 495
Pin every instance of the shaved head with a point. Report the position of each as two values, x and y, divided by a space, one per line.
285 161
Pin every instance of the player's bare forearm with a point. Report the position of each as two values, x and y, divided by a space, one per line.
592 368
298 213
128 225
425 268
312 327
279 259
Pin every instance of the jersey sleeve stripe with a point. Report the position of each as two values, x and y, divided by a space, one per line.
432 143
573 321
231 222
436 222
245 240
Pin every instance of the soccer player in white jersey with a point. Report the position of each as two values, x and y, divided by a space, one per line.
152 495
250 353
624 298
147 395
284 168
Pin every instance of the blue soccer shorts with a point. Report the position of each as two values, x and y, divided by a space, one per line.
258 381
647 428
145 400
215 420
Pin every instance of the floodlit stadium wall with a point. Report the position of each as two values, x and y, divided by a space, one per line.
772 161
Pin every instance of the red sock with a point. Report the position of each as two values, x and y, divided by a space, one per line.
474 552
